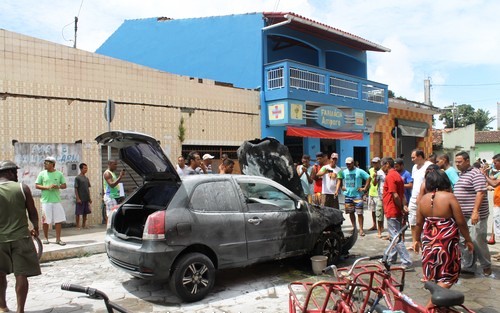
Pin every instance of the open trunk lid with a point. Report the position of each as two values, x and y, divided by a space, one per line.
142 153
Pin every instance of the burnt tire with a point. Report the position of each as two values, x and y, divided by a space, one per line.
329 244
193 277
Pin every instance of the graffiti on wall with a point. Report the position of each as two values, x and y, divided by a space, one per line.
30 156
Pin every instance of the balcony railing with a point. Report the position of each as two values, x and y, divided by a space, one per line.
289 74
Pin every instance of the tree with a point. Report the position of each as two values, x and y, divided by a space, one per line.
464 115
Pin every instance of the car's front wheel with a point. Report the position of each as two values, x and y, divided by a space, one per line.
329 244
193 277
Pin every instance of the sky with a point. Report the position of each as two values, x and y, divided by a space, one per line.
454 43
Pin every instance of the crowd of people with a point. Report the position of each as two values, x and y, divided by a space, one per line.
446 207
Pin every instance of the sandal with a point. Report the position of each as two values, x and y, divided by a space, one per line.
491 241
6 309
46 242
61 243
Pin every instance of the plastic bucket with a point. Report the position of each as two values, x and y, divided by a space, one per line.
318 263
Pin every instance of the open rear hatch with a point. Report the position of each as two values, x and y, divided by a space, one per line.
160 180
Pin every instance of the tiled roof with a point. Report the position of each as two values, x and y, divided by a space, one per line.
487 136
323 30
437 137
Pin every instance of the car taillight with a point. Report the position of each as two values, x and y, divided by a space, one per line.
155 226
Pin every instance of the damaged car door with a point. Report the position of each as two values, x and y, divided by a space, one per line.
274 227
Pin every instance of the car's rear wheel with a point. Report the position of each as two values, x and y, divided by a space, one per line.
329 244
193 277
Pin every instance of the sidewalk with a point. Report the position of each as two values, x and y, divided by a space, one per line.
79 242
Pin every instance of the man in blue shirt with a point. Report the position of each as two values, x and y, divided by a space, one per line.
353 190
399 166
443 161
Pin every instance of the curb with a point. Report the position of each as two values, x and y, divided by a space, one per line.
72 252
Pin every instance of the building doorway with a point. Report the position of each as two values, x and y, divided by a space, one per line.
360 157
295 146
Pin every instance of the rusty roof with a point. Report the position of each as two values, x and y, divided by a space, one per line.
487 136
323 31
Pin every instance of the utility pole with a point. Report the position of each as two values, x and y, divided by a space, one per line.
453 114
76 29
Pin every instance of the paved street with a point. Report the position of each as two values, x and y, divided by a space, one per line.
260 288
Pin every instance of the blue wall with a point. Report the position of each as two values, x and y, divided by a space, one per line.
223 48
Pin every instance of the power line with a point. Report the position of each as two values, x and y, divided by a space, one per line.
466 85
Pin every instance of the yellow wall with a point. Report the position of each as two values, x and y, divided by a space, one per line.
51 93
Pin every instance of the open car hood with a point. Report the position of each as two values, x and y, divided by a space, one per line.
142 153
269 158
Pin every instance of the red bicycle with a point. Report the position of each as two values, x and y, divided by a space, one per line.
369 287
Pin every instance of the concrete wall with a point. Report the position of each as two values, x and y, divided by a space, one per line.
51 93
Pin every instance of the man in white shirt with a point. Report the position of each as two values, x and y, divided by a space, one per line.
332 182
181 166
418 175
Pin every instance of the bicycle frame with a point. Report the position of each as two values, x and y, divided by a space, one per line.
360 288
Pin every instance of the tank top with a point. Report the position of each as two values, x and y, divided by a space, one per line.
111 192
13 219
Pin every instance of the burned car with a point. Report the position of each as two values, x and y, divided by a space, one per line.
184 230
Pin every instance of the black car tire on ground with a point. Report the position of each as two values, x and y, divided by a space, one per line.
329 244
193 277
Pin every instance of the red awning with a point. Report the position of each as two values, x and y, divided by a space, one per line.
319 133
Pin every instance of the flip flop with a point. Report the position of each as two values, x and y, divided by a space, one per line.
6 309
61 243
46 242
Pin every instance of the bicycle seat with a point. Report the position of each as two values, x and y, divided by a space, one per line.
443 297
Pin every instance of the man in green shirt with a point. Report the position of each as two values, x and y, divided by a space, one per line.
17 252
50 181
111 188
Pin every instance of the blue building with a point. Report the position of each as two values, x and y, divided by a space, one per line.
312 77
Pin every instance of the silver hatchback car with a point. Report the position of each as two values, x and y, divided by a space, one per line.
183 230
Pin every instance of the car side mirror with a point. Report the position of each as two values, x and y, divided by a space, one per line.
301 204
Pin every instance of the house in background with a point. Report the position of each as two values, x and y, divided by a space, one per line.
487 144
407 126
312 77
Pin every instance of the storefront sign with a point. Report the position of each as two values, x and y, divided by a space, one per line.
330 117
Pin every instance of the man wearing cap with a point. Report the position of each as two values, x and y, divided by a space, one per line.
373 195
50 181
206 164
321 160
332 181
17 252
353 190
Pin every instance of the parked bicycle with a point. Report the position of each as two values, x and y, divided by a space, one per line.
370 287
95 294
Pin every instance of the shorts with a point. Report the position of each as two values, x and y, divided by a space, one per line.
316 198
53 213
379 211
19 257
110 204
330 201
372 203
496 220
412 214
82 208
354 205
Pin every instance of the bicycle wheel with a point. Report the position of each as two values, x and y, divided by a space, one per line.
38 246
